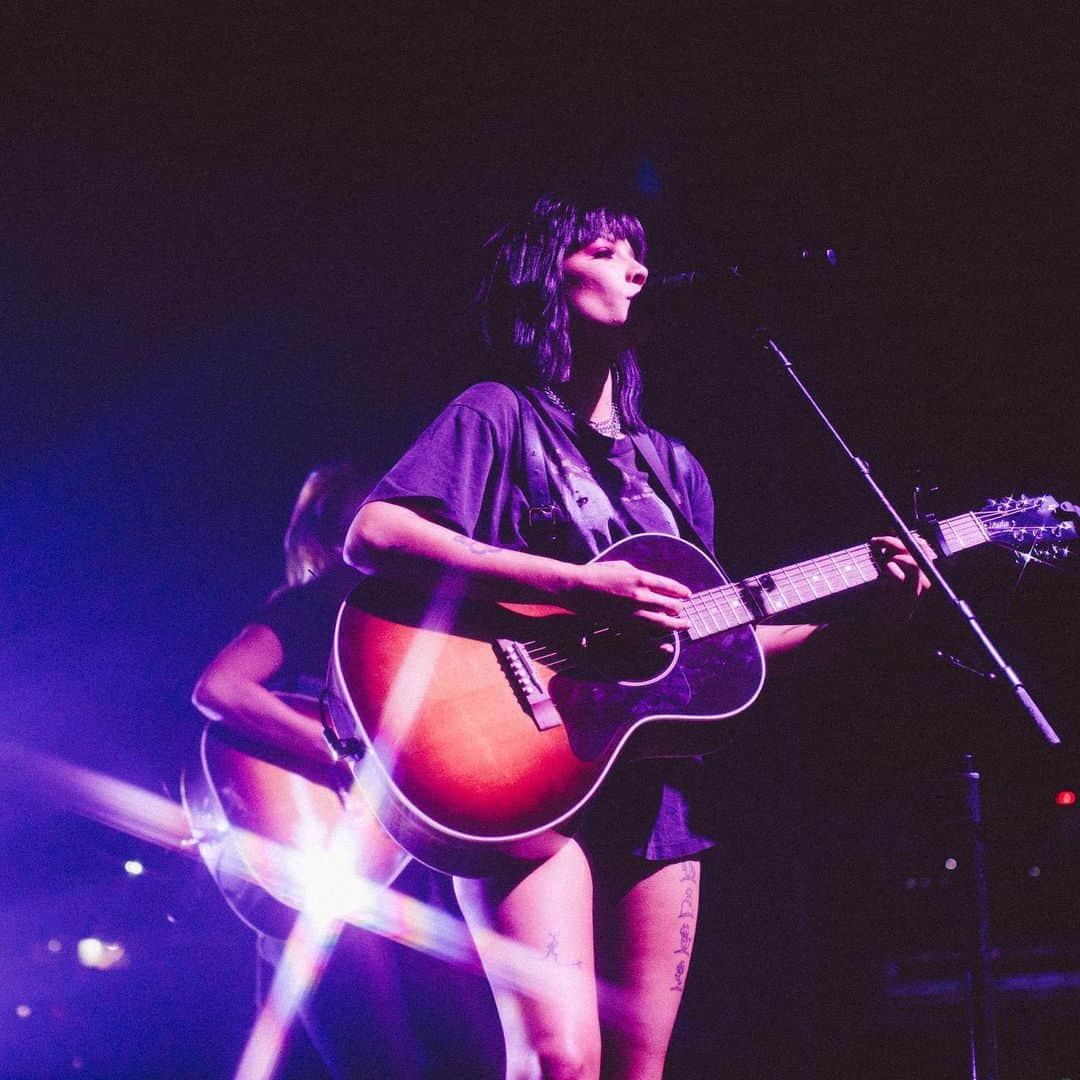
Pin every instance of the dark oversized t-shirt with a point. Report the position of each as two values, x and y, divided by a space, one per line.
467 472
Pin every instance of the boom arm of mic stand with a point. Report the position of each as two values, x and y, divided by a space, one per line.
959 606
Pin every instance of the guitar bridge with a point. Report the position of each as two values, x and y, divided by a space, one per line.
522 675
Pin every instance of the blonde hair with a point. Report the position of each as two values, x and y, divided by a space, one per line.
324 509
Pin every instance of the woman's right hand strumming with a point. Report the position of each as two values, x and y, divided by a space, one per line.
618 590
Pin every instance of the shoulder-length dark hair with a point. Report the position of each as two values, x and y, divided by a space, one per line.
523 315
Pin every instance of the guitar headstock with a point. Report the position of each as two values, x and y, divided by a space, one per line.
1037 528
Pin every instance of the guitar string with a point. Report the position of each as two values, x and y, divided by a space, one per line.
556 657
826 564
700 604
962 526
801 568
985 513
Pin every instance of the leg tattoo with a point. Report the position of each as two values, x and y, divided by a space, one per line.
686 912
552 952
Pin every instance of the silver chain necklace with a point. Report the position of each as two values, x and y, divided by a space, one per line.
610 426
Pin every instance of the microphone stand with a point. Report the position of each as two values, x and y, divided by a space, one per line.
981 1027
928 566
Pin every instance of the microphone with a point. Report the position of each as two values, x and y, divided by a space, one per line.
725 283
725 277
684 280
733 285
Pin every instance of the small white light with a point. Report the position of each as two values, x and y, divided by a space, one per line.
23 1011
101 955
54 945
950 863
134 867
90 950
910 883
1034 871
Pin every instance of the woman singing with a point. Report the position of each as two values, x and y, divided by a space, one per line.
616 905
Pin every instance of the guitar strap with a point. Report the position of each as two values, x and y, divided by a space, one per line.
661 478
546 521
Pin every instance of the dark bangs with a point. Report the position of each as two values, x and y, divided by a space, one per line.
611 224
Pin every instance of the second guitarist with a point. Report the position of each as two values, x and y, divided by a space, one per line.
467 509
281 651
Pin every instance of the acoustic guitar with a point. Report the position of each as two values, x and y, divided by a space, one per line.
261 816
488 727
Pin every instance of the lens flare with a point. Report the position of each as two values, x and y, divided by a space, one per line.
325 898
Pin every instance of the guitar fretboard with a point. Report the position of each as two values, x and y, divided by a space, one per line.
742 602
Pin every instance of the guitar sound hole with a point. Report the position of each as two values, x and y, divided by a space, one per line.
627 656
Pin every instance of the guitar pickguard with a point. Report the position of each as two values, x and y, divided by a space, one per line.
725 673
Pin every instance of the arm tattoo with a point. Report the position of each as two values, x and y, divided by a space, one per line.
474 547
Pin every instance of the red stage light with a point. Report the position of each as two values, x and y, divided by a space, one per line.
1065 798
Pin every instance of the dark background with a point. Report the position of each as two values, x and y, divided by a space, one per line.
238 243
